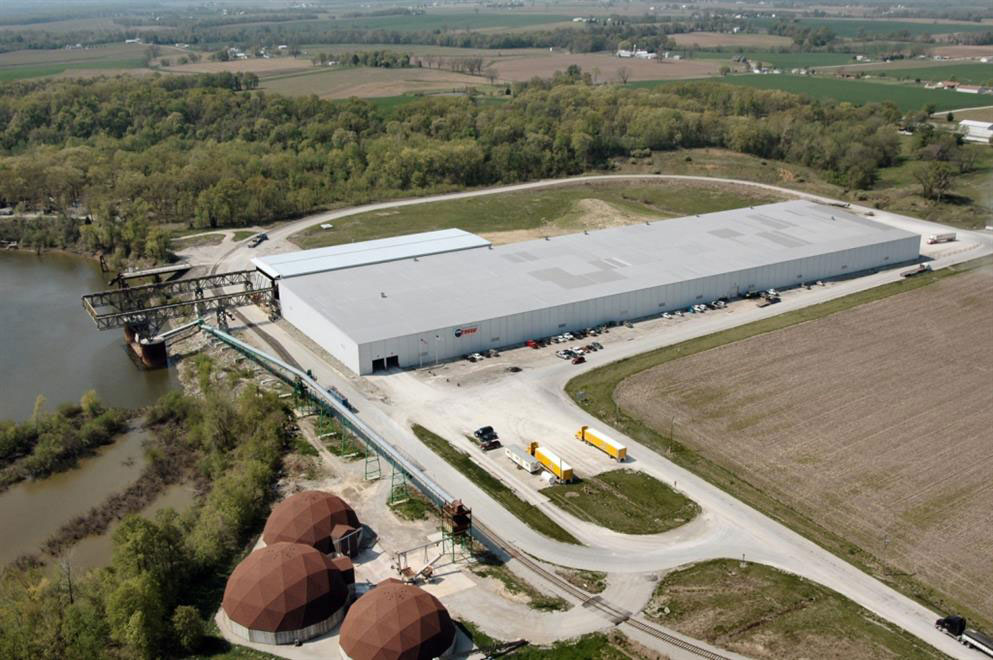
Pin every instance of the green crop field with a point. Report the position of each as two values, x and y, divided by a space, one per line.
856 27
974 74
782 60
23 64
906 97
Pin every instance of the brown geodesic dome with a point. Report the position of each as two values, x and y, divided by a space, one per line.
284 587
308 517
396 621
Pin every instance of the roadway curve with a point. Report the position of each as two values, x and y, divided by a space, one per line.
726 526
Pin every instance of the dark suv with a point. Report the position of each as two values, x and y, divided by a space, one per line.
487 437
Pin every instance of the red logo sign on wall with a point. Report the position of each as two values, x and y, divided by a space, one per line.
461 332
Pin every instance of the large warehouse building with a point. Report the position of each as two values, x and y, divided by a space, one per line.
426 298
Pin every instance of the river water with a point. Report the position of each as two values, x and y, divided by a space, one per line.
49 346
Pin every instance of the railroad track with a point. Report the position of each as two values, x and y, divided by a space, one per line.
614 613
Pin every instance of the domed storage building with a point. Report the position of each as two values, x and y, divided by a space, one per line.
283 593
396 621
311 517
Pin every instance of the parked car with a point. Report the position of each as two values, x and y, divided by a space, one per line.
565 355
474 357
579 359
487 438
628 324
493 353
596 346
485 433
257 239
577 350
567 336
666 315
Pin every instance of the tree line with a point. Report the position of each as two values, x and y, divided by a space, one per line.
167 573
118 160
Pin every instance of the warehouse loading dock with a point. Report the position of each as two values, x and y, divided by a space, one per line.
418 311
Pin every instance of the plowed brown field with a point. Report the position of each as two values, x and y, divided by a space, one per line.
876 423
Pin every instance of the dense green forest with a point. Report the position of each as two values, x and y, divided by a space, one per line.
166 574
207 151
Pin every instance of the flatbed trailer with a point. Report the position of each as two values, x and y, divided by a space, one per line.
978 641
603 442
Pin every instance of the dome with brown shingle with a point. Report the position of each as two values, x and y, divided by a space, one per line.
308 517
396 621
284 587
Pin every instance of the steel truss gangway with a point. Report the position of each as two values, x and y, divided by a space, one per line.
439 496
151 305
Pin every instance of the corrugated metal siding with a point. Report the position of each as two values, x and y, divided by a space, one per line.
515 329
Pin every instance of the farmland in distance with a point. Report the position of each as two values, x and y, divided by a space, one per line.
873 423
907 97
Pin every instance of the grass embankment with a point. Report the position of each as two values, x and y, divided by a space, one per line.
595 646
527 513
594 391
762 612
551 210
625 501
490 567
593 582
198 240
242 234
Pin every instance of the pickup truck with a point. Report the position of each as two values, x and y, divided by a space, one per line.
257 239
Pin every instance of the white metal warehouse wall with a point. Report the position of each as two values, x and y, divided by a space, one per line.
320 329
477 335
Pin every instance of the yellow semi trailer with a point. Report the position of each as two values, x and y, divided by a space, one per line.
551 462
601 440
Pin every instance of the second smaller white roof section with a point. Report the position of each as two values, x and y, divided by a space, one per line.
350 255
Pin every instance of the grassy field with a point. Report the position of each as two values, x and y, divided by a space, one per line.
906 97
366 82
729 41
449 21
973 73
781 60
493 487
599 388
979 114
762 612
854 27
24 64
528 214
625 501
603 67
970 201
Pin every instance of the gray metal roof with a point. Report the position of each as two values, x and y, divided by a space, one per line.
452 289
350 255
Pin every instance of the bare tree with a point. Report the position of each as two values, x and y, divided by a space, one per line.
623 75
491 74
